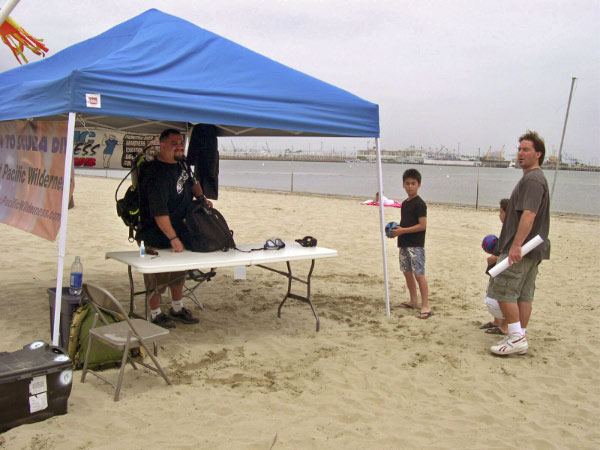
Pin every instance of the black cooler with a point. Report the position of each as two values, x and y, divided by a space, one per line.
35 384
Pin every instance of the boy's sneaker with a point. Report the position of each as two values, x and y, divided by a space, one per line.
513 343
185 316
163 321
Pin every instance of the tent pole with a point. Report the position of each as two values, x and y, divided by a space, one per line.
188 137
382 228
6 9
562 139
62 234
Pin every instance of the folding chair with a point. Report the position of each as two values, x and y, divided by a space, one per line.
197 277
124 335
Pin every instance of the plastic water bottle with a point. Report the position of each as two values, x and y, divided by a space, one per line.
76 277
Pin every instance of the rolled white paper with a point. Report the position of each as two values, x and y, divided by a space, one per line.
503 265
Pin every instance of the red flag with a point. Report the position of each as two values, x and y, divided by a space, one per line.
18 39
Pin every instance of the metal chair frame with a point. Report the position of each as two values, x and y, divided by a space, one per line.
124 335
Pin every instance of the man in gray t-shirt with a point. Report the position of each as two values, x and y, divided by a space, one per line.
527 215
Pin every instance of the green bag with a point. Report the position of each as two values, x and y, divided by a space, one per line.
101 356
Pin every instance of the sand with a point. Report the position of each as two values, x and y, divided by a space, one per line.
243 379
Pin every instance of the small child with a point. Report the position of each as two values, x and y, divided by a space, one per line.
496 326
411 241
386 201
493 258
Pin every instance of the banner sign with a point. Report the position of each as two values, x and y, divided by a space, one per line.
32 159
99 148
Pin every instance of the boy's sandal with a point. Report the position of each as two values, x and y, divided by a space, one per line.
485 326
495 330
406 305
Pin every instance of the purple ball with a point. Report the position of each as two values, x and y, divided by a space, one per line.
489 243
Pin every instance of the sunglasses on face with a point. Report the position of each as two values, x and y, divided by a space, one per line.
274 244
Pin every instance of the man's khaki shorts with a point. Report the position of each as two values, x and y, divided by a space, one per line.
162 280
515 284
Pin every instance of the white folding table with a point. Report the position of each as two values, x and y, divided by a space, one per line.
167 261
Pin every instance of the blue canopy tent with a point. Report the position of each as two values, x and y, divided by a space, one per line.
158 66
157 70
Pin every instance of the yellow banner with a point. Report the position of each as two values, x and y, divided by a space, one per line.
32 159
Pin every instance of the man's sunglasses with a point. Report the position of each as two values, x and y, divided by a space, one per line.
274 244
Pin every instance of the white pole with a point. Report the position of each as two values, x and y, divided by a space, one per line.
62 234
477 194
382 227
6 9
562 139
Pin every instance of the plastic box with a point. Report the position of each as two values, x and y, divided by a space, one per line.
69 303
35 384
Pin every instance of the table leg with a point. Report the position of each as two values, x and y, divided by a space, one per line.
289 294
131 292
132 295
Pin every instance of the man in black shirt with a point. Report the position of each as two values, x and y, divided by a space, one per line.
166 193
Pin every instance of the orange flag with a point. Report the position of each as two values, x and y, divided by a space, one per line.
18 39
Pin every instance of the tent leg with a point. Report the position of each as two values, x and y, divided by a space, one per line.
62 239
382 228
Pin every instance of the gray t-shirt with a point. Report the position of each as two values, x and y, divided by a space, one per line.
531 193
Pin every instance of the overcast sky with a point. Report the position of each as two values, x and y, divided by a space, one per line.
465 74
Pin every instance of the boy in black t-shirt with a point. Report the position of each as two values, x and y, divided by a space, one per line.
411 241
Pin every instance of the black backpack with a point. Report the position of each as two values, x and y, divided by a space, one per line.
128 207
207 229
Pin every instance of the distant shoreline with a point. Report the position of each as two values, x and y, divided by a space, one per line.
345 159
298 158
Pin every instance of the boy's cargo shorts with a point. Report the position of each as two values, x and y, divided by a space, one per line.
412 259
515 284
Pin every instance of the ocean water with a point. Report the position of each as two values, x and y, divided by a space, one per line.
575 192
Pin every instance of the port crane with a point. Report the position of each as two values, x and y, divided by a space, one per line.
570 159
494 155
